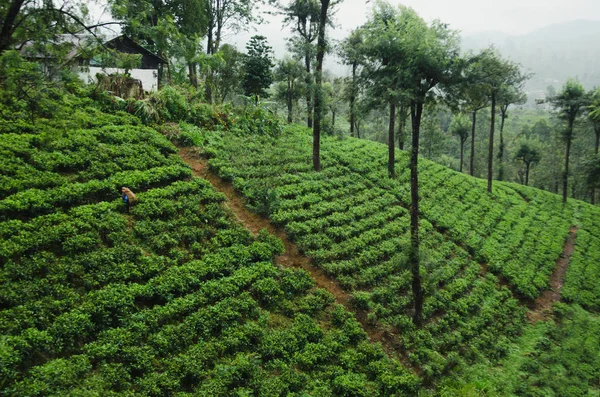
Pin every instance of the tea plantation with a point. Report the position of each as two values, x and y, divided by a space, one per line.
485 257
172 298
176 297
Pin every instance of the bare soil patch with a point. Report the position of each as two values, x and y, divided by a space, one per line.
541 309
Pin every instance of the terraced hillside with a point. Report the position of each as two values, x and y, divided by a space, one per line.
172 298
485 257
176 297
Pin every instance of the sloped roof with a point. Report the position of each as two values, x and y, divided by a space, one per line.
80 42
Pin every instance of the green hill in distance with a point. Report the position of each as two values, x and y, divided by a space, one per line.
553 53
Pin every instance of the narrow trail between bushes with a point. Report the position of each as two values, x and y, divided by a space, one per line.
292 256
541 308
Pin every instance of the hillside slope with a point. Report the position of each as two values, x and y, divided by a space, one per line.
485 257
171 298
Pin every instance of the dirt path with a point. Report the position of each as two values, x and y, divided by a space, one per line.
541 308
291 257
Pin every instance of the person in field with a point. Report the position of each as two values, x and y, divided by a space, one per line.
128 197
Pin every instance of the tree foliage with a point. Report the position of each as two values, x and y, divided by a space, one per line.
289 74
258 64
568 104
529 155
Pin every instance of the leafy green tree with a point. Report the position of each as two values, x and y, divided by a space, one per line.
384 54
460 127
432 59
324 16
290 74
303 18
351 52
23 87
425 57
594 114
23 21
592 171
568 103
258 64
227 72
511 94
529 155
473 95
542 130
495 75
594 118
236 15
334 90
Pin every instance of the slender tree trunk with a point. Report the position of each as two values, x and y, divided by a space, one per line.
318 83
401 125
289 101
169 75
353 99
161 76
501 148
209 31
8 25
566 173
309 92
415 113
391 141
209 51
462 147
491 147
472 161
597 131
333 118
193 75
526 174
357 129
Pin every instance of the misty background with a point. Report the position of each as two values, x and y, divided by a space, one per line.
553 39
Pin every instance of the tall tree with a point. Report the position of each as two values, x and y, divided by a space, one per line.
568 103
529 156
511 94
495 75
594 114
460 127
289 73
237 15
334 89
472 95
227 71
303 18
425 58
321 48
594 118
385 55
351 52
432 60
258 64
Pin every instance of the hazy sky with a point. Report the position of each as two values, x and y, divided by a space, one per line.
469 16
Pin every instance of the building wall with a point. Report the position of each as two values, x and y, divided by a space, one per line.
148 77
